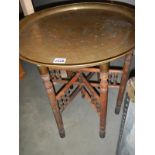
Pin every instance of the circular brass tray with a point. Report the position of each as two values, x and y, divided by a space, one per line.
85 34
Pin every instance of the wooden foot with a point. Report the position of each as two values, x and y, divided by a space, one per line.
124 78
117 109
62 133
103 98
102 134
52 97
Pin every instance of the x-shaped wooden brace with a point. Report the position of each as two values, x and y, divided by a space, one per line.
86 87
82 84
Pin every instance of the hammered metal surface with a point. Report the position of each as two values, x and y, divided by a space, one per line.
86 34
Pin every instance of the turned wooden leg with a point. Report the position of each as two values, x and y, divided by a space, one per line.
21 71
103 98
44 72
124 79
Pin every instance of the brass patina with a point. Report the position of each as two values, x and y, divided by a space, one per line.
86 34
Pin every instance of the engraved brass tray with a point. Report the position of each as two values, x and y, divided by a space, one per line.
86 34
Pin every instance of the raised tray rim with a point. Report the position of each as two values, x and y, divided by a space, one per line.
70 66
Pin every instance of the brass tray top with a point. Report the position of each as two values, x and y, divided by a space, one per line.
85 34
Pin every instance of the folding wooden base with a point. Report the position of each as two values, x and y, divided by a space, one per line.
96 91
